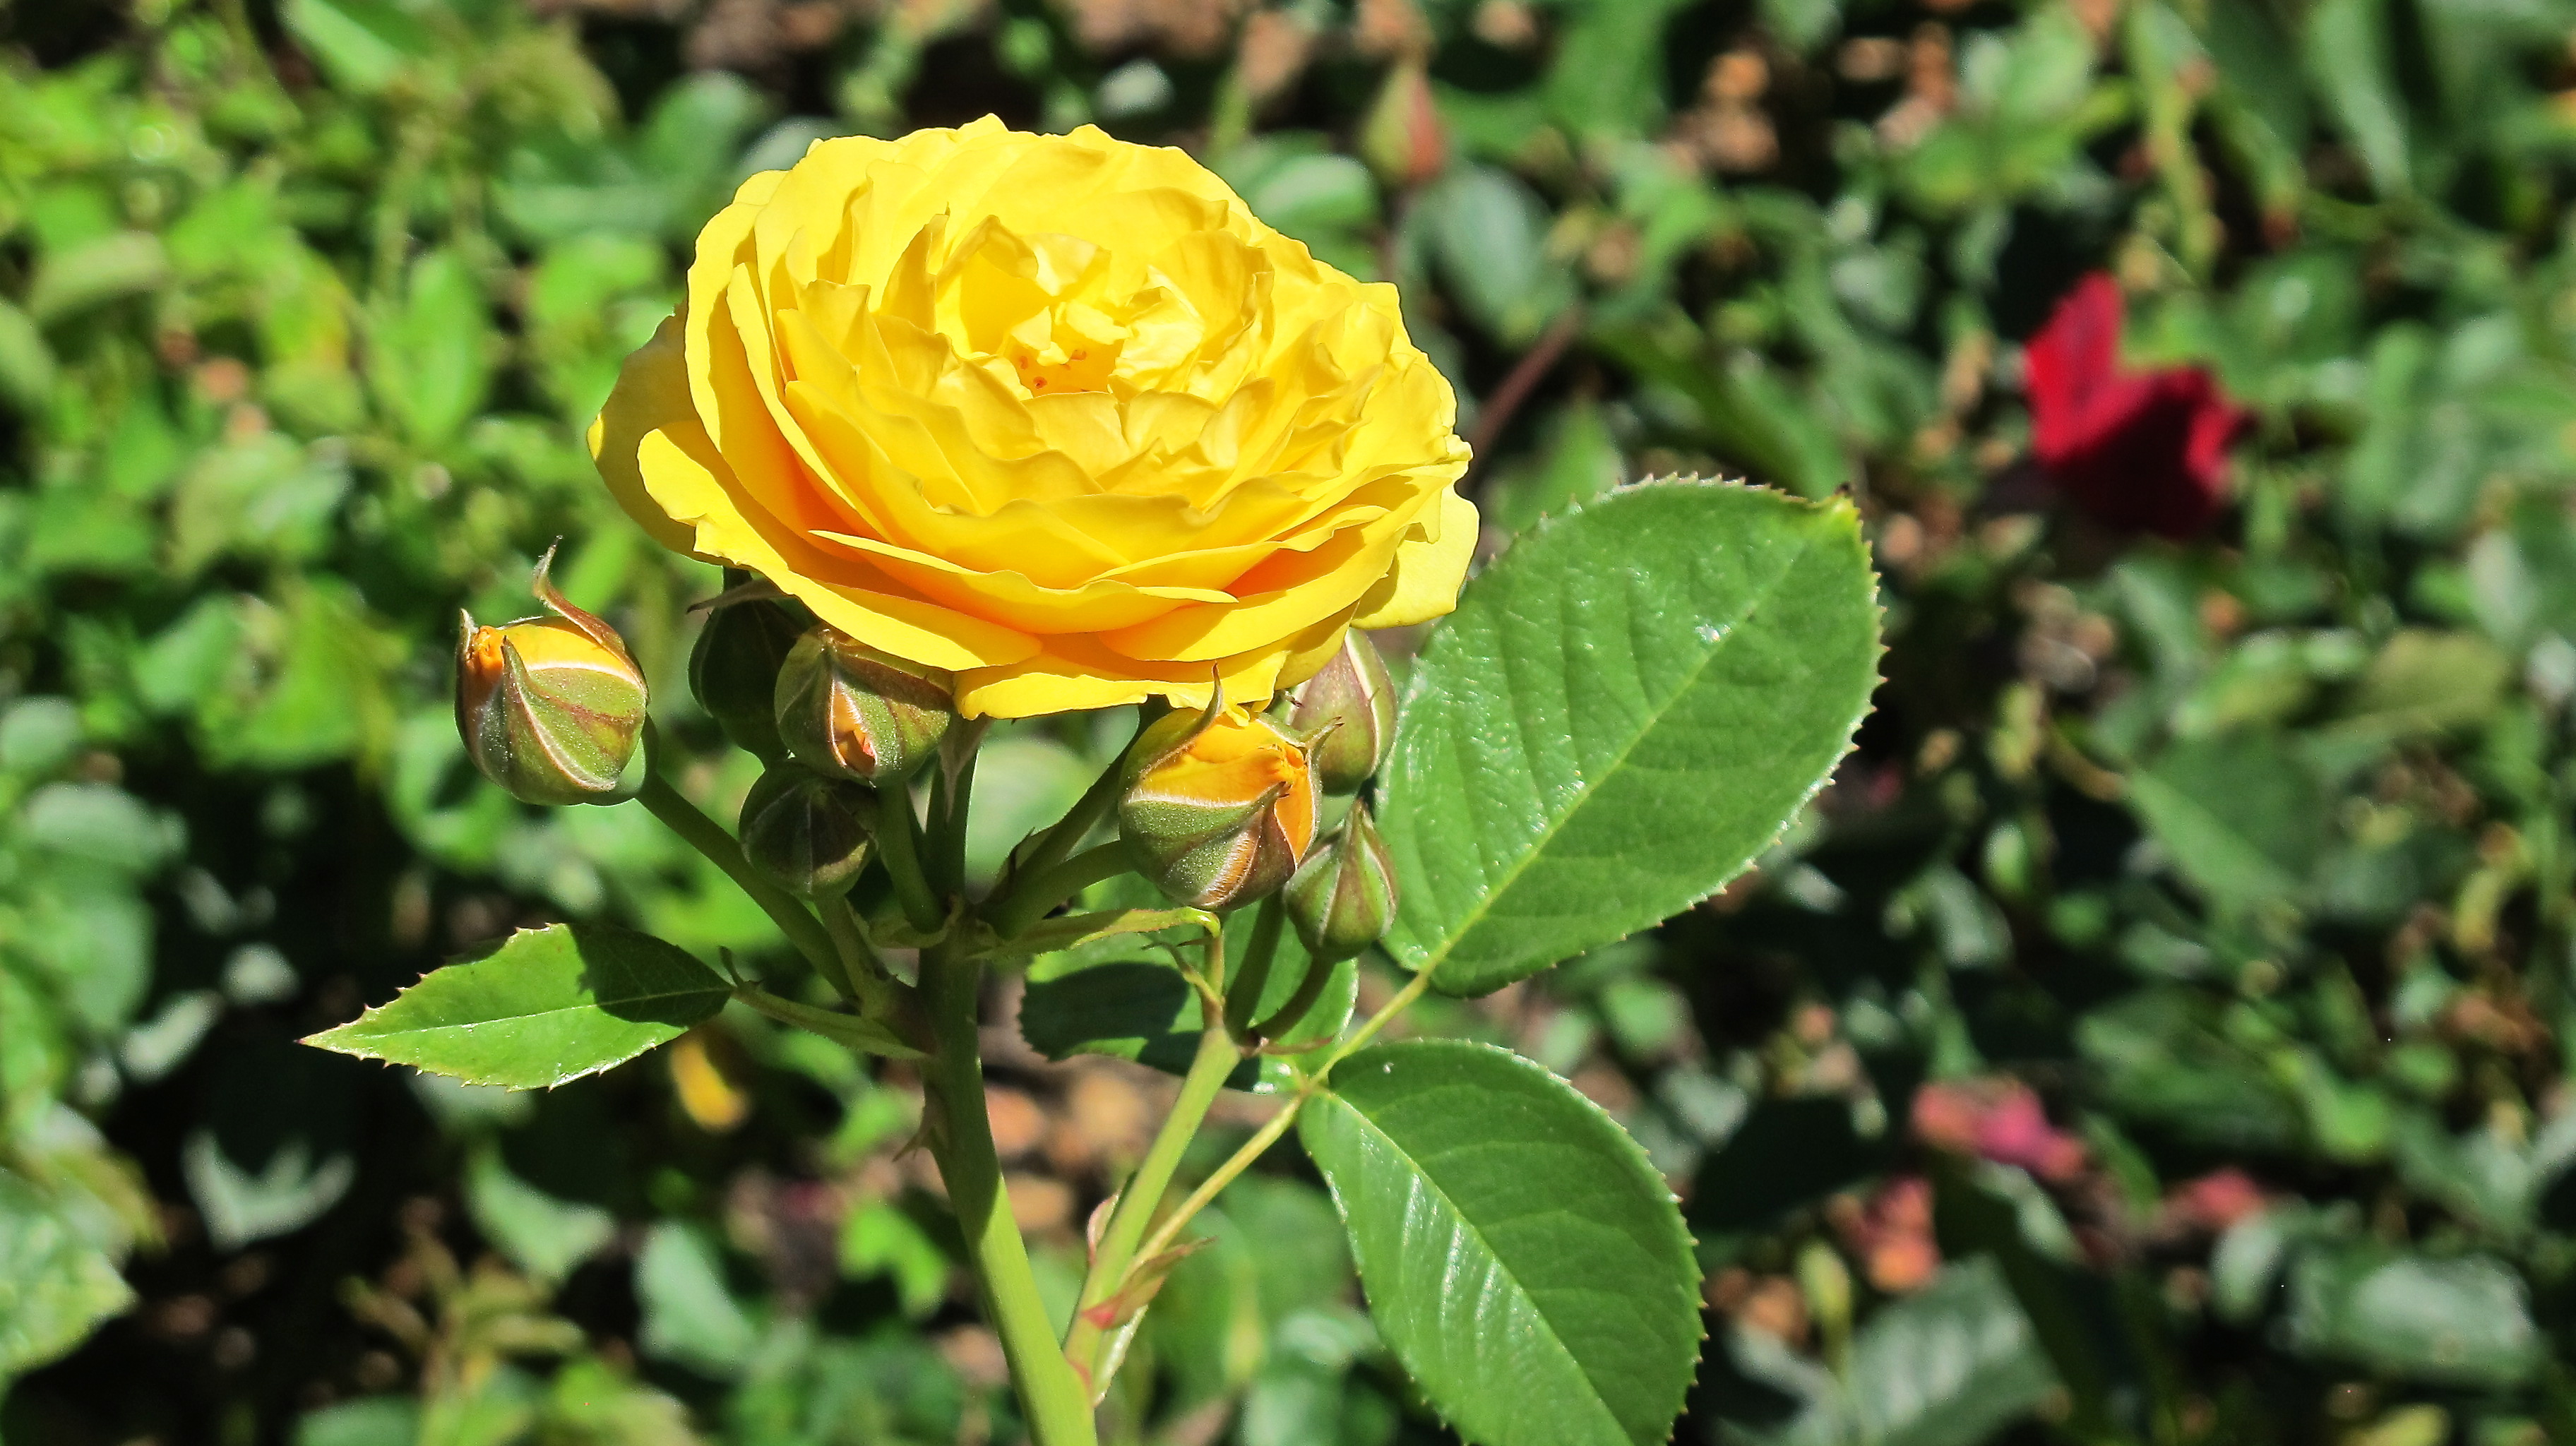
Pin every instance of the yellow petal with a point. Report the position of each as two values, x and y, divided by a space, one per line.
1287 593
652 392
1077 673
1428 573
687 482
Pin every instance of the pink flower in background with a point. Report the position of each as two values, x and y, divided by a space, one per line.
2142 449
2216 1200
1998 1120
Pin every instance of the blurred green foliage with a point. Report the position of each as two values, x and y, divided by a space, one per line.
2161 1032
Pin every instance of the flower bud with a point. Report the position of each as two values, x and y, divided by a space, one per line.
1217 807
1342 898
1353 696
807 833
733 670
847 710
550 707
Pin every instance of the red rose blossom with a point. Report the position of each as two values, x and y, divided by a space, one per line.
2137 449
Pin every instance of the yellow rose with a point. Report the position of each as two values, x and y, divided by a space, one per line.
1055 414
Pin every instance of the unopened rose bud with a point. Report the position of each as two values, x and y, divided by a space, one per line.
808 833
733 670
847 710
1217 806
1342 898
550 707
1354 698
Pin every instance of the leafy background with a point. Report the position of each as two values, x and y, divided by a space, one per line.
2159 1032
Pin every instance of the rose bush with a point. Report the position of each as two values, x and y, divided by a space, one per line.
1055 413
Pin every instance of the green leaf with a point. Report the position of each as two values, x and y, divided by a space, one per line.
361 44
367 1421
1950 1366
880 1239
55 1284
430 352
542 1235
1624 711
2351 64
1128 1009
2464 1321
2425 681
550 1005
2160 1055
690 1315
119 264
1489 232
2238 814
1520 1254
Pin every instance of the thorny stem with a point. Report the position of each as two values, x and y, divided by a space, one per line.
948 843
1097 1310
961 1139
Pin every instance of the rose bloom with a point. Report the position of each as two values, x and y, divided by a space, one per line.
2139 449
1053 413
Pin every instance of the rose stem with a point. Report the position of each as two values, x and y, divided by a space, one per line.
1245 996
1040 893
1058 1405
1058 841
709 838
948 844
1216 1059
899 844
1269 1134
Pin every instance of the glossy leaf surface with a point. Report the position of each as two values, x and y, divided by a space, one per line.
1520 1254
550 1005
1625 710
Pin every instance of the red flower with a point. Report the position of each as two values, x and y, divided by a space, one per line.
2136 449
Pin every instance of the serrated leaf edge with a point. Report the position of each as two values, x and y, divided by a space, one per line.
1637 1156
1836 504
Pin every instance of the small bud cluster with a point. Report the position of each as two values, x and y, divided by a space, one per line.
1343 896
1225 807
553 709
1218 809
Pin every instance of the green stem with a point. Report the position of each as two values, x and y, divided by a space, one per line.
1058 1406
1309 989
862 979
1268 1135
899 845
1217 1056
849 1030
1258 955
1057 842
1224 1175
948 839
709 838
1385 1015
1038 895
